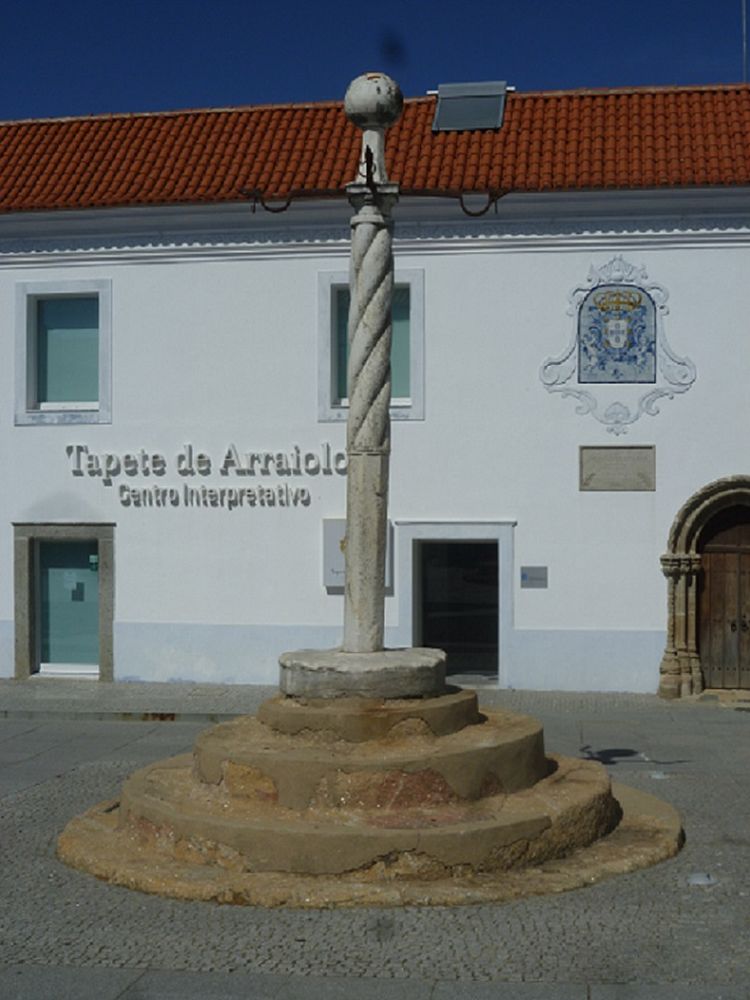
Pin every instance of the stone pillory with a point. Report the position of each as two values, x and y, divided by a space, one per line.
362 667
367 780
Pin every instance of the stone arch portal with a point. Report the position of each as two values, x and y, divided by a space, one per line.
681 672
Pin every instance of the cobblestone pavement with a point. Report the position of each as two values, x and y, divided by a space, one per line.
659 933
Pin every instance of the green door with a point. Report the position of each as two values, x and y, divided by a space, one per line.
68 607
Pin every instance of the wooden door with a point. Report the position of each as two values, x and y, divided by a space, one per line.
724 600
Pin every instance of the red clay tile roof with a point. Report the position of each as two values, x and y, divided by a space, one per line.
549 141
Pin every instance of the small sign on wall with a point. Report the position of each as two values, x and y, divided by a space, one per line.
534 577
618 468
334 530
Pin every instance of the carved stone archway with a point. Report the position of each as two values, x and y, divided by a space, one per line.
680 671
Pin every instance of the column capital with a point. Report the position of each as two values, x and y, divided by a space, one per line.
691 563
371 200
671 565
675 565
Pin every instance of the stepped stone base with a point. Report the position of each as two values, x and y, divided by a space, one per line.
372 801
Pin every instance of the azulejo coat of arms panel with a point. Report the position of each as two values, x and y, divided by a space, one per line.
617 335
618 344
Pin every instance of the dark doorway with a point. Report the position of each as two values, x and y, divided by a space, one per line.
724 600
457 603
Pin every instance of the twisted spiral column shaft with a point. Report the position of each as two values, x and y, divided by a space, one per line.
368 425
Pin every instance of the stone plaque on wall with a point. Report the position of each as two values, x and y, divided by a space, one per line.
613 468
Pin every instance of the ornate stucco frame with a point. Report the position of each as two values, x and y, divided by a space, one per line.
674 374
681 672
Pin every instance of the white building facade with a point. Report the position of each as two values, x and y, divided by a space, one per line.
570 371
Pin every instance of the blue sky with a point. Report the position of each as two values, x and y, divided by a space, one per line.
77 57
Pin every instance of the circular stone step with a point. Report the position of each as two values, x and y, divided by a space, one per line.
360 719
388 673
503 753
650 832
168 811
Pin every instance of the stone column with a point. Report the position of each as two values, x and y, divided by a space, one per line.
692 571
685 622
669 680
368 430
374 103
680 669
680 620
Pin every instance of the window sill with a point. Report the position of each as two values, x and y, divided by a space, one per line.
64 414
400 409
54 406
68 670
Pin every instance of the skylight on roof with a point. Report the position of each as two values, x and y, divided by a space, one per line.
462 106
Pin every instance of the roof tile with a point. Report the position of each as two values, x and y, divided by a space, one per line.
553 141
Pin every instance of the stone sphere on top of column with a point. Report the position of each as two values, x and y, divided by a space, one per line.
373 100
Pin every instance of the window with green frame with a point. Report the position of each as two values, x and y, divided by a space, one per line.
67 350
400 342
407 345
64 352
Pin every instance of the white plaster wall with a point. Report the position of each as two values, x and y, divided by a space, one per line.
207 354
513 449
224 350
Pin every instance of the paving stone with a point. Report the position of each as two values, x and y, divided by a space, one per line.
645 936
203 986
667 991
362 989
38 982
509 991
